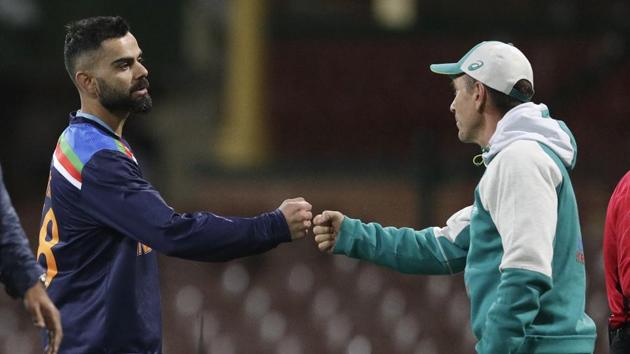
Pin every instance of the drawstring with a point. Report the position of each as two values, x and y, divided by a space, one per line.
478 159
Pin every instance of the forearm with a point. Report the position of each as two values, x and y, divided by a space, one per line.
19 270
404 250
212 238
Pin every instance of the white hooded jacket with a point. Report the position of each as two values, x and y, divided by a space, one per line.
518 188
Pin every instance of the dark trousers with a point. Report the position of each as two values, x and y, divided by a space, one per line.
619 340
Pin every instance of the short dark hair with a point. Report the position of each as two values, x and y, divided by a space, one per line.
87 35
502 101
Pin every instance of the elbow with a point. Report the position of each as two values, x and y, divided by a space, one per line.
164 247
180 250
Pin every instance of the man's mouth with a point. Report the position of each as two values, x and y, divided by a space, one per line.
141 88
141 92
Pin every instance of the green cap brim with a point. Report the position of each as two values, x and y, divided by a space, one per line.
451 69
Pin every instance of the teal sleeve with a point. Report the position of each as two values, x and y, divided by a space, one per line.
516 306
403 249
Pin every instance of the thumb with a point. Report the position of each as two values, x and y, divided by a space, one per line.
327 216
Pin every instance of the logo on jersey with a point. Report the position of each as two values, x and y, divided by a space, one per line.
579 254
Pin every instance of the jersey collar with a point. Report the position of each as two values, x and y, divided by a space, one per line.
94 119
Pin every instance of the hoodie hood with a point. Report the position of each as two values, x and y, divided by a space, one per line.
530 121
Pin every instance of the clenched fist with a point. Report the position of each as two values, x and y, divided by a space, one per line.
327 225
298 214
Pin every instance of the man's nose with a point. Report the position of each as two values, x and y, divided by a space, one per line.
142 70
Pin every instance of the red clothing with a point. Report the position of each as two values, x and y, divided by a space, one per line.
617 253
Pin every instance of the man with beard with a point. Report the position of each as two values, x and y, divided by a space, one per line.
102 220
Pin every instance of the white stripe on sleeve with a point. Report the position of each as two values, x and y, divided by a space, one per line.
455 224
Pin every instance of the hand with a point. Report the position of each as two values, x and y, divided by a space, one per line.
327 225
44 315
297 213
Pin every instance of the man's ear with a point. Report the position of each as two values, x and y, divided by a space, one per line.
86 83
480 95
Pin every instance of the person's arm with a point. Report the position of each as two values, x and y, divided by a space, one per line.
18 269
44 315
622 230
519 192
429 251
20 273
115 194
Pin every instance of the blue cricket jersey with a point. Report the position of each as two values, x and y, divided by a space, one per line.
101 225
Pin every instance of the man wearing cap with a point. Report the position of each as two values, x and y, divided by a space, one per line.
519 244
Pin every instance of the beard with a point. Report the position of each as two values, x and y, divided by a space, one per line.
120 101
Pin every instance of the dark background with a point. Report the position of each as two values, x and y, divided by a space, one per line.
349 117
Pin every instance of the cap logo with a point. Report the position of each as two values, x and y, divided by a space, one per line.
476 65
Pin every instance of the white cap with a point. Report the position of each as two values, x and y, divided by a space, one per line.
496 64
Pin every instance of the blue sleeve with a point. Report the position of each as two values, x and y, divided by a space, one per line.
18 269
115 194
403 249
514 310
